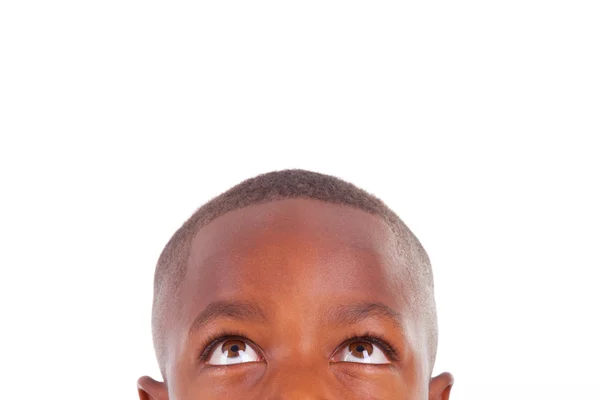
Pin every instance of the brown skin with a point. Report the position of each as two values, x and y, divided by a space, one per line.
293 264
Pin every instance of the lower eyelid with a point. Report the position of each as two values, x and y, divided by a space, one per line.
232 368
358 370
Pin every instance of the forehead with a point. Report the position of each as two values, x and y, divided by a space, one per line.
294 250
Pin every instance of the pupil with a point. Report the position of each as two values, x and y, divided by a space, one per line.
235 348
360 348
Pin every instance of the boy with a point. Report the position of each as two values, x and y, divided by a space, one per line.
294 285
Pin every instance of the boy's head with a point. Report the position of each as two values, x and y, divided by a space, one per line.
294 285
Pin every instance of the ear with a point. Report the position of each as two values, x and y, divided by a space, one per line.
149 389
439 387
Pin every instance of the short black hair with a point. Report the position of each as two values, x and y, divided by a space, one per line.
280 185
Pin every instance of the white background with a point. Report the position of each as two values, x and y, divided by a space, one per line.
476 121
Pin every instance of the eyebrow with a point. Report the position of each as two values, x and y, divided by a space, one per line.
354 313
347 314
237 310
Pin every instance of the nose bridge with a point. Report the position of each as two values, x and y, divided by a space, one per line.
298 367
298 380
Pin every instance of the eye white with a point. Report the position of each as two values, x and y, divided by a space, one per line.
221 356
376 357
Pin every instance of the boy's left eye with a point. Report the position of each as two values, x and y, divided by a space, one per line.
361 352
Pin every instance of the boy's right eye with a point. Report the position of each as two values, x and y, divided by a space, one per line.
232 351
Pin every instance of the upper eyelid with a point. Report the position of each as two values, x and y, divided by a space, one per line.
387 348
212 345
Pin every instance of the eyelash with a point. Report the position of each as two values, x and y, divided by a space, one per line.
215 339
368 337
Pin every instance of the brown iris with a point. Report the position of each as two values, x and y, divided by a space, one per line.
233 348
357 349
